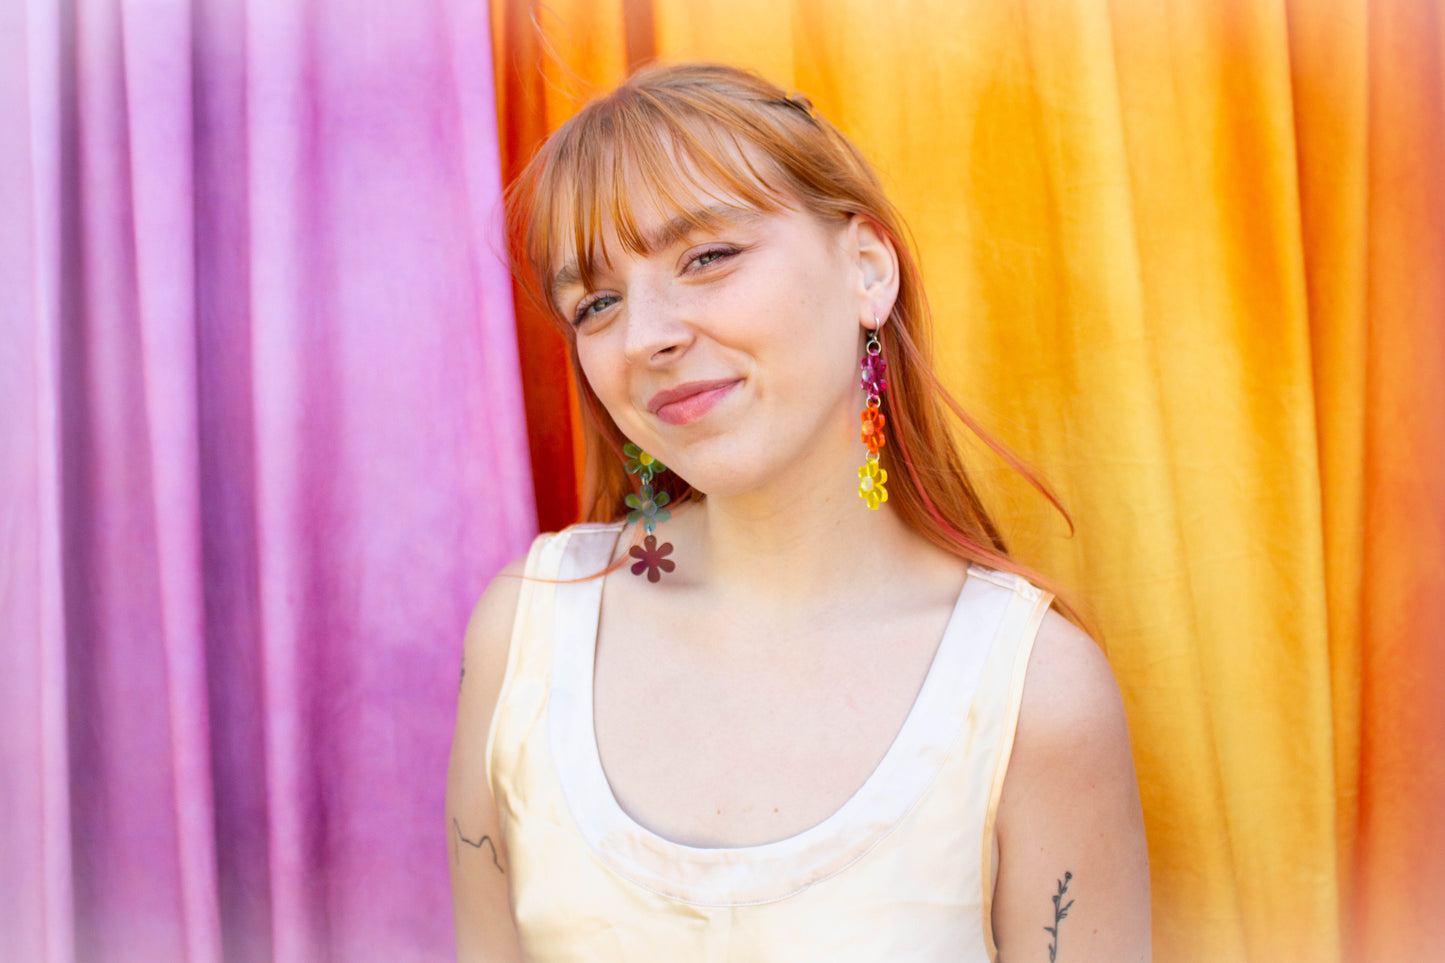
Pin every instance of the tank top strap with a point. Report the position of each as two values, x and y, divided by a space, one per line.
553 562
996 707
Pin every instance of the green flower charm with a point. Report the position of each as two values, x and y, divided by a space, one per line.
647 508
870 488
641 464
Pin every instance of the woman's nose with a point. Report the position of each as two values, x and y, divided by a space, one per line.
657 327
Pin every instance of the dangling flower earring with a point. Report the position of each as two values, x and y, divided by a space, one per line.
874 381
647 508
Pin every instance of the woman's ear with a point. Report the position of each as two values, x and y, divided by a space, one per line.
877 270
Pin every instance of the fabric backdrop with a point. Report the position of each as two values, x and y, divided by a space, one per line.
260 448
261 442
1188 257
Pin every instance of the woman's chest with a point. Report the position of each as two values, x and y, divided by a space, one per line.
727 744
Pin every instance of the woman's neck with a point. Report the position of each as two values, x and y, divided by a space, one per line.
803 541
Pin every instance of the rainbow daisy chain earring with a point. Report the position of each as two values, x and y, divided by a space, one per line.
873 377
647 508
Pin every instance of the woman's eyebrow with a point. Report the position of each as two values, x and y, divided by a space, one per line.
679 227
674 229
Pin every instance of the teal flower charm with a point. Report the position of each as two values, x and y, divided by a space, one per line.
647 508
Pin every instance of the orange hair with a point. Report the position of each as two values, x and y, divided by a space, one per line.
675 129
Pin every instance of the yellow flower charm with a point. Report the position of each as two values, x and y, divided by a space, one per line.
871 489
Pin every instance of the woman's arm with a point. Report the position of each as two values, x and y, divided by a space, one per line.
477 855
1073 879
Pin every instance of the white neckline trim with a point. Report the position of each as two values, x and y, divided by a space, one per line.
768 871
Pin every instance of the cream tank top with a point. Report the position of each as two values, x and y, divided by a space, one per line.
902 871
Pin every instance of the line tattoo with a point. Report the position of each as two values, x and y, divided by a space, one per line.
457 830
1060 912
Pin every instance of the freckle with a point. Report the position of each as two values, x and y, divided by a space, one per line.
719 812
775 809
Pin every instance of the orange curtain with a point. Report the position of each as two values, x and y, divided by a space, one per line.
1189 259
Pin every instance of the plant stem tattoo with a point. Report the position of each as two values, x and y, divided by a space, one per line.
457 853
1059 913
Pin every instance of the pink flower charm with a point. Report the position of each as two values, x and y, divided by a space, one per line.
873 376
652 558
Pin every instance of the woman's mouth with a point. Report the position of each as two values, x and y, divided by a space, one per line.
689 402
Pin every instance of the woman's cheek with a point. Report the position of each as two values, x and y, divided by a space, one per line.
609 383
602 380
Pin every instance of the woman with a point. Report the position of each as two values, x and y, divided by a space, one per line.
782 705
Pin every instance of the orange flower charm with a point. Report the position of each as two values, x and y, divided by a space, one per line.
873 435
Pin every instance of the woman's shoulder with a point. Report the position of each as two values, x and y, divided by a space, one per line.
1069 686
494 613
1071 719
489 629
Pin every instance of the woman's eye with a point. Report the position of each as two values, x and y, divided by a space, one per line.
708 257
592 305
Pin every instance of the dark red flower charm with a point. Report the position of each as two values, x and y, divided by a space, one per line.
652 561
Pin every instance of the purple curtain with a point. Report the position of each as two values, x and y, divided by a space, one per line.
261 446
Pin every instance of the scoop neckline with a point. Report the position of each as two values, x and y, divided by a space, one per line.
706 874
896 745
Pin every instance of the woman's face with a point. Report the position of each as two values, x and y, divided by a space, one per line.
728 351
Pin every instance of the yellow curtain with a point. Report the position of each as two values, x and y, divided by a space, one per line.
1156 236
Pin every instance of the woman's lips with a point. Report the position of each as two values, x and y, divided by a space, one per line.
689 402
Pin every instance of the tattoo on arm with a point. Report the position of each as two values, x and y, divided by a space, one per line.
464 673
457 853
1059 913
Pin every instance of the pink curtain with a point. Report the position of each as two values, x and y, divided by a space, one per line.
261 446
